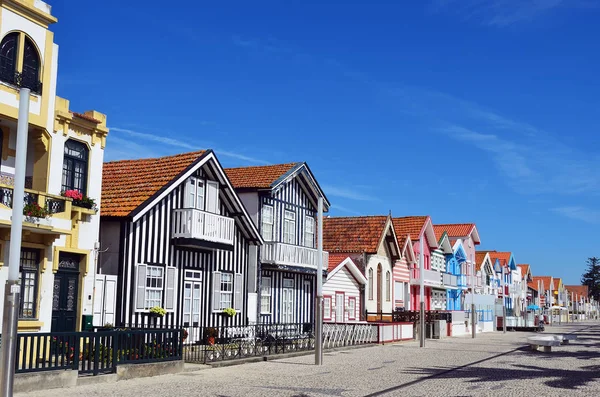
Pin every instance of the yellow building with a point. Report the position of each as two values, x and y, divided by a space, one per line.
65 152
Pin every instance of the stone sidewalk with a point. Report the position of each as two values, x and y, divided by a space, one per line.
493 364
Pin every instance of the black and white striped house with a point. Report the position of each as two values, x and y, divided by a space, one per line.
282 201
176 236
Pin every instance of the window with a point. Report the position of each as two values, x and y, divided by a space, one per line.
194 193
327 308
29 283
227 291
309 232
289 227
398 291
75 166
265 295
288 300
29 76
154 287
370 284
340 307
388 287
191 297
351 308
8 57
267 222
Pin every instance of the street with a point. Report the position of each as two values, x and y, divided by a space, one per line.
493 364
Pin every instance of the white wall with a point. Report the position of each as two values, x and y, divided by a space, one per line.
343 281
371 304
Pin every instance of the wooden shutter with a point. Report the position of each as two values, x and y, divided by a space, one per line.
171 281
216 295
238 287
212 197
140 295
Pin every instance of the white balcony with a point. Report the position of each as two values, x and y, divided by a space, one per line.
432 278
191 223
291 255
449 280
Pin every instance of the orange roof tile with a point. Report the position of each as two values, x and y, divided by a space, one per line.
524 269
479 258
353 234
409 226
85 117
335 259
257 177
579 290
545 280
503 257
453 229
532 285
127 184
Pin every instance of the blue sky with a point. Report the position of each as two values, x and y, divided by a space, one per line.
465 110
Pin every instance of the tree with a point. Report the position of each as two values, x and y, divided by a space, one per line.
591 278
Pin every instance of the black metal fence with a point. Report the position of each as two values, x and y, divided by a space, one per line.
410 316
96 352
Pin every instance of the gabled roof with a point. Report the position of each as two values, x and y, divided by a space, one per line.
131 187
335 265
414 226
127 184
264 177
582 291
532 285
258 177
354 233
545 281
459 230
480 259
503 257
525 270
444 244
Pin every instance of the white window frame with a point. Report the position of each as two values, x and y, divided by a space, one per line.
226 295
388 286
289 227
194 278
195 192
292 302
327 307
150 289
210 206
264 297
352 308
266 226
309 231
370 286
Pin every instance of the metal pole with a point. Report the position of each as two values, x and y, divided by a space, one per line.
319 300
503 303
473 314
422 291
12 290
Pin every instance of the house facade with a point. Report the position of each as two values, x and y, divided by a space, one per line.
490 283
401 273
175 235
65 151
504 264
282 202
343 291
372 245
420 228
442 297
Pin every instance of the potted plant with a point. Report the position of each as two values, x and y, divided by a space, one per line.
211 334
34 212
184 335
229 312
157 311
80 200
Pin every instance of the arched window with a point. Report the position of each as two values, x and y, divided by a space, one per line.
75 167
8 57
371 284
31 67
388 286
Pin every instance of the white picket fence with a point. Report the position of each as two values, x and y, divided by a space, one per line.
337 335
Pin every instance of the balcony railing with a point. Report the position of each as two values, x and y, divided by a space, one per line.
53 204
461 281
291 255
430 277
202 225
449 280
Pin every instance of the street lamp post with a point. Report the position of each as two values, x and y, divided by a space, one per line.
12 290
319 298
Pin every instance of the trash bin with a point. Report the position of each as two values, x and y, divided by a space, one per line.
87 322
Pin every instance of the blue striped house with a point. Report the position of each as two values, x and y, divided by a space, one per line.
174 234
282 201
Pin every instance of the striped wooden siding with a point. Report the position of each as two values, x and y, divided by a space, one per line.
290 196
148 241
401 271
343 281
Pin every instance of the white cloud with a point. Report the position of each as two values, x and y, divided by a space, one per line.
344 209
579 213
346 193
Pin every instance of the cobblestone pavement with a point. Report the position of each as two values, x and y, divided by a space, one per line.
493 364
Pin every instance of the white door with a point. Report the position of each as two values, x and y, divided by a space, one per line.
192 288
287 301
339 308
105 298
212 197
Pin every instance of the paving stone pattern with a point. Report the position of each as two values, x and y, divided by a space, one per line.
493 364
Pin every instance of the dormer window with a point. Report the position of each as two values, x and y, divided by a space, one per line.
20 62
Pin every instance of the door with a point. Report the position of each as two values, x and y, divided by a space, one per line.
212 197
339 307
64 301
287 301
379 288
105 298
192 288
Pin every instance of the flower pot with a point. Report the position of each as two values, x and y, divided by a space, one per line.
210 340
